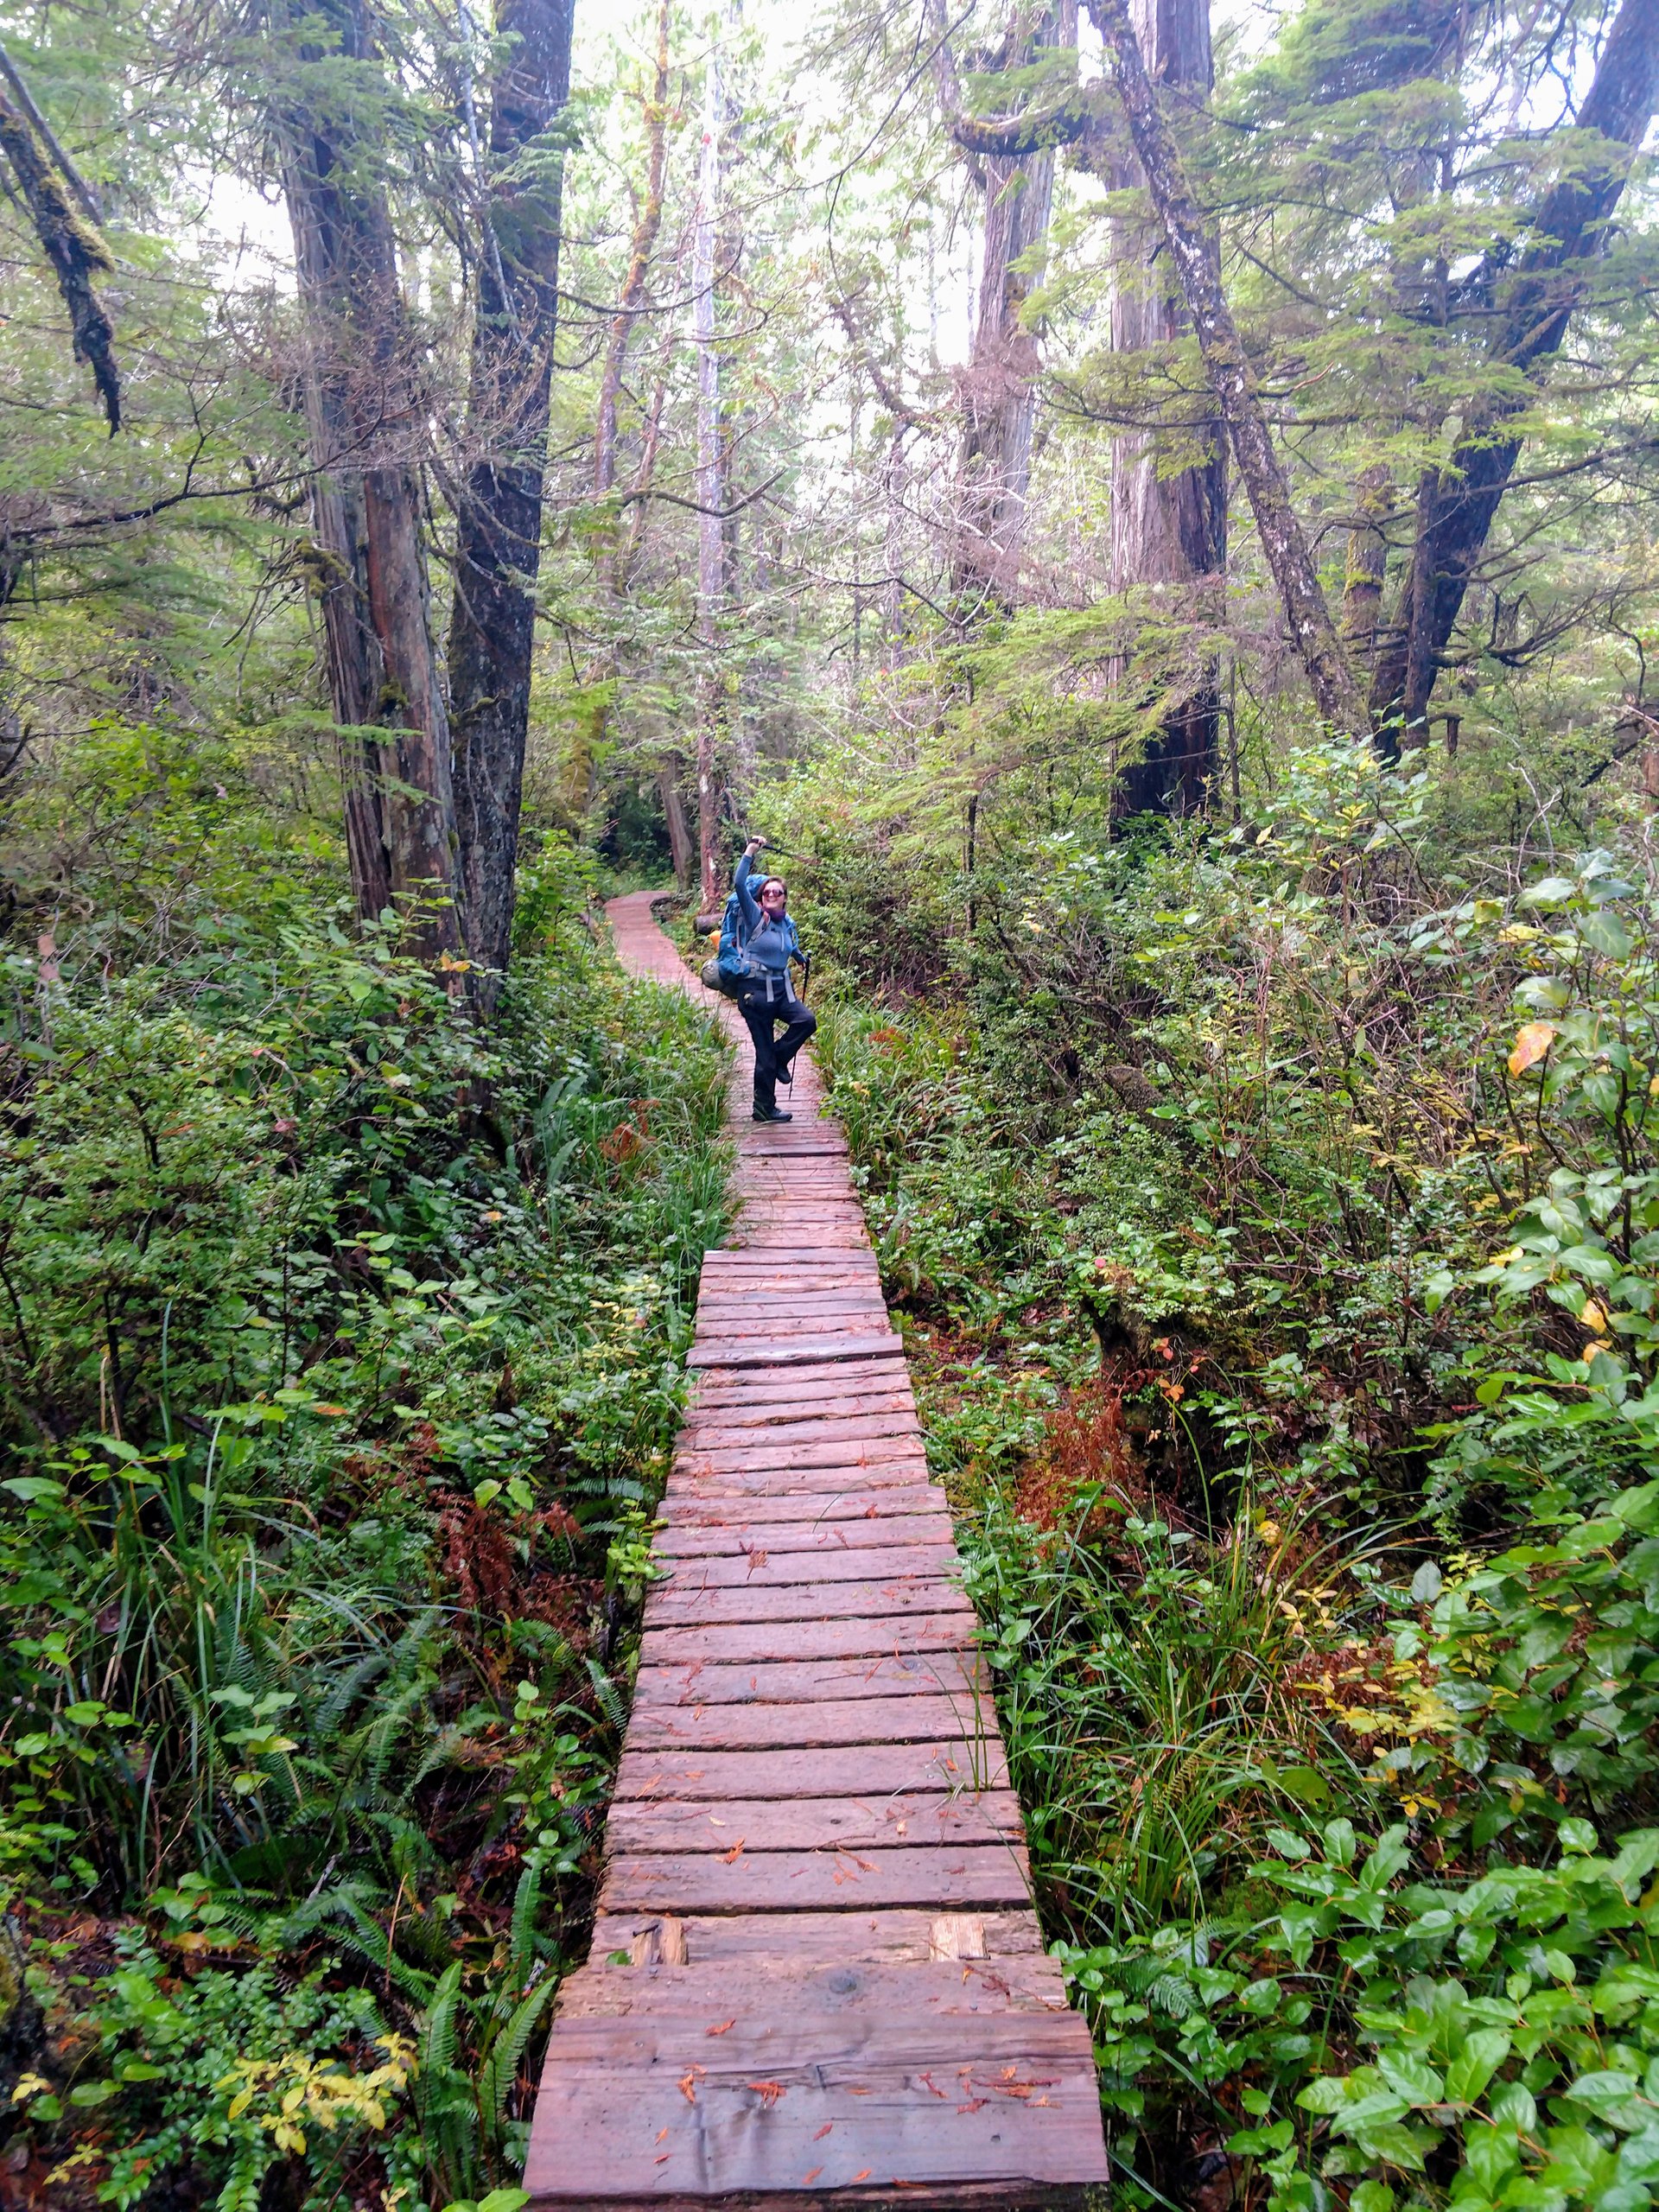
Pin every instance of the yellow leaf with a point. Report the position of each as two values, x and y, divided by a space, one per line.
1532 1040
1592 1318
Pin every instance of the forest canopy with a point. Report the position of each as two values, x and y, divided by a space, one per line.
1148 505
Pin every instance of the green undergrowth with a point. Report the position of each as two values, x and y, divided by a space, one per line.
340 1344
1273 1217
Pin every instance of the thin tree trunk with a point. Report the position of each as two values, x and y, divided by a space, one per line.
498 528
1457 504
679 831
641 247
1168 531
711 556
366 505
998 389
1332 679
1367 556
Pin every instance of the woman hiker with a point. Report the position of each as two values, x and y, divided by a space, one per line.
765 996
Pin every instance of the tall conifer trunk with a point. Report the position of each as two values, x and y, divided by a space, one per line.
498 541
711 548
362 407
1169 530
999 395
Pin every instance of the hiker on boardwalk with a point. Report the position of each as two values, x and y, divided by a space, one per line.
765 994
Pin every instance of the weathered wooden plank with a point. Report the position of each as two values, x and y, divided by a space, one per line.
710 1995
904 1938
790 1682
766 1456
668 1607
795 1351
918 2101
759 1569
956 1878
845 1375
742 1534
858 1771
791 1404
705 1507
812 1424
916 1718
837 1637
646 1825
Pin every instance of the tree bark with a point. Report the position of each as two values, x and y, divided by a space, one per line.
999 387
1168 531
361 406
1368 557
641 247
70 241
498 528
1285 548
1458 505
679 831
710 475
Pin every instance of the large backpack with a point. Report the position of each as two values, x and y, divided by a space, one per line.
725 971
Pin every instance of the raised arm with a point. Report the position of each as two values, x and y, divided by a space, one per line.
749 907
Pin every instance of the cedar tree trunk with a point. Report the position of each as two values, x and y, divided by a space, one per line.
366 507
1169 531
998 389
499 527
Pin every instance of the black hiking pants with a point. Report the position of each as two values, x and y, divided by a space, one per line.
774 1055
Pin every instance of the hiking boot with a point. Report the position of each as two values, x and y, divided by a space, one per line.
770 1114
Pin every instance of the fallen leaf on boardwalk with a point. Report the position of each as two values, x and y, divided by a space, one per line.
1532 1040
768 2091
812 2174
933 2086
688 2083
974 2104
722 2028
735 1853
823 2131
661 2133
865 2175
664 2159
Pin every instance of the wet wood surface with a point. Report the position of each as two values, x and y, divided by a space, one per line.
816 1978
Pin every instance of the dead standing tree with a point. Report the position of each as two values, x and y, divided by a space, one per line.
499 524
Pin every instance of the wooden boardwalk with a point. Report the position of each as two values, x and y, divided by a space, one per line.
816 1978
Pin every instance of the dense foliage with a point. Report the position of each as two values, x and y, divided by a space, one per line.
340 1359
1273 1211
795 420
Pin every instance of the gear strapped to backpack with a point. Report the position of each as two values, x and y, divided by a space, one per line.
725 972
